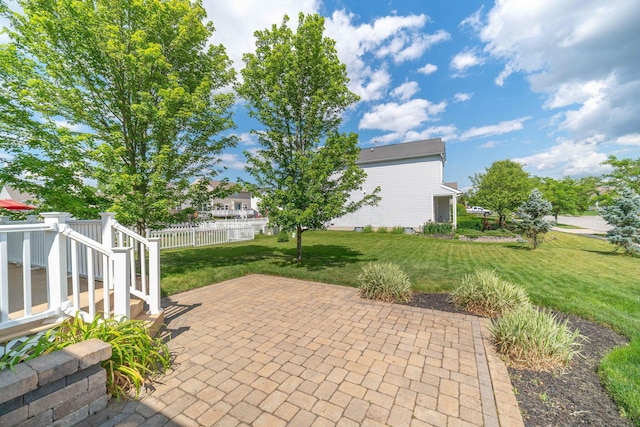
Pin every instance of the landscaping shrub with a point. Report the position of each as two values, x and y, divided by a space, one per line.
532 338
283 236
470 223
383 230
384 282
367 229
432 228
398 229
484 293
136 355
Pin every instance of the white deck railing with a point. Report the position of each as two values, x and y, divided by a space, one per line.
86 252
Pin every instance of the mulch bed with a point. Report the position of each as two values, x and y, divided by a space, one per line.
573 396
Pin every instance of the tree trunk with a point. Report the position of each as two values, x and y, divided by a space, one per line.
299 243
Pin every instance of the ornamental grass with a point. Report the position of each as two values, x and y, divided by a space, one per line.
532 338
486 294
384 281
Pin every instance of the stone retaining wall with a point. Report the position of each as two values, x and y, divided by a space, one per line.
57 389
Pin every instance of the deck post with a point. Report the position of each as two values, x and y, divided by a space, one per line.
154 275
107 233
56 259
4 279
121 282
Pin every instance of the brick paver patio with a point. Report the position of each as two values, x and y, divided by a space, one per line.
270 351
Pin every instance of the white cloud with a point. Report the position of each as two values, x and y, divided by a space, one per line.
447 133
406 90
232 161
400 117
465 60
72 128
582 54
498 129
488 144
248 139
428 69
474 21
632 139
568 158
462 97
400 38
236 21
372 87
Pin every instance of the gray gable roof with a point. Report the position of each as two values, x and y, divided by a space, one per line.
405 150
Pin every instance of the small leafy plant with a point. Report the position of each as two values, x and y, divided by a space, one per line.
383 230
435 228
283 236
17 351
384 281
398 229
532 338
367 229
486 294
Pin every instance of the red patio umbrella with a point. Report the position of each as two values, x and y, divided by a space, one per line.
14 206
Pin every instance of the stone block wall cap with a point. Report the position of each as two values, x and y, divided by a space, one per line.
16 381
90 352
53 366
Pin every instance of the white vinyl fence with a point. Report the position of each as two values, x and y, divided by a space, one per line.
204 234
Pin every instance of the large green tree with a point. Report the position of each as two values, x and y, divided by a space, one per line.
38 157
568 195
503 187
139 82
625 174
296 87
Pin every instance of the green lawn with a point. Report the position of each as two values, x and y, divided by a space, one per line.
571 273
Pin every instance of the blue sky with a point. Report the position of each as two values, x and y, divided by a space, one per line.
553 84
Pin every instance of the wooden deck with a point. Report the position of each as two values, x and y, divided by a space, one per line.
39 302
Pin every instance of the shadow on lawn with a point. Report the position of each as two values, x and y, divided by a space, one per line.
320 257
186 260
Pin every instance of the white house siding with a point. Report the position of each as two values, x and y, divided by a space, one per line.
407 188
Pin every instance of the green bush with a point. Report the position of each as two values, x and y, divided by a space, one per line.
431 228
470 223
486 294
532 338
382 230
136 356
283 236
398 229
385 282
367 229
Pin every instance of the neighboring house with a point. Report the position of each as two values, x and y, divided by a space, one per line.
8 193
411 180
236 205
14 200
